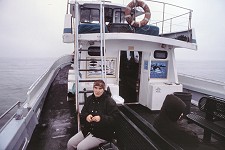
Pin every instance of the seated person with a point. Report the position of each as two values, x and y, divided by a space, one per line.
99 119
167 124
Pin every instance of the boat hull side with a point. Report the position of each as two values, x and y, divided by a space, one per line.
200 87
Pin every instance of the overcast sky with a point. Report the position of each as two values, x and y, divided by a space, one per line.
33 28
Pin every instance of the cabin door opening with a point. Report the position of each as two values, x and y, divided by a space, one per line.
130 68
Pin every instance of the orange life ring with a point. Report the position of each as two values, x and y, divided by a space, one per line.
130 6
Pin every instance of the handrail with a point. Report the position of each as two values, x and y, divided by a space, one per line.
202 85
171 18
76 67
102 44
36 85
163 19
25 143
169 4
67 7
7 111
202 78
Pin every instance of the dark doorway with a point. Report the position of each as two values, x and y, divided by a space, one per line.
130 63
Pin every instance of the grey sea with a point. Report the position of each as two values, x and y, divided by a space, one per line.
18 74
211 70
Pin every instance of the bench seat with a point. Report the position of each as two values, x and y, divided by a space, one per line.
207 125
214 109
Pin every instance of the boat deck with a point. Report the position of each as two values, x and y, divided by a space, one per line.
58 119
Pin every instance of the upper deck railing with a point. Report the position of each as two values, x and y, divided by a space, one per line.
168 17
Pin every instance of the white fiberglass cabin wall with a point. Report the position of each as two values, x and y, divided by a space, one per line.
140 67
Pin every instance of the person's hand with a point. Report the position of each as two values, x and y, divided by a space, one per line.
89 118
96 118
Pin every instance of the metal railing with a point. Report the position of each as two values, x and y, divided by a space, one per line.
7 111
168 16
36 86
167 22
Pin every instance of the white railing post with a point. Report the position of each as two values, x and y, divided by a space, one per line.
76 64
163 17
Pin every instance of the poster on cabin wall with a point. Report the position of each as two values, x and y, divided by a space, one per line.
158 69
95 67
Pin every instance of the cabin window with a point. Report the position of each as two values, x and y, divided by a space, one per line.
95 16
158 54
108 15
159 69
119 17
95 51
88 15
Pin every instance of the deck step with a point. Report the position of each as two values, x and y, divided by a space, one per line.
83 50
90 69
87 80
92 60
87 91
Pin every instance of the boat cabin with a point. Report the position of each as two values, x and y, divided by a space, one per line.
137 62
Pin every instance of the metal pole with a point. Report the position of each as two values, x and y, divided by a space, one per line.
104 51
102 35
67 8
76 67
163 16
101 45
190 16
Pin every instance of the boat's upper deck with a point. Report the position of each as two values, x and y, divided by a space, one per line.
166 22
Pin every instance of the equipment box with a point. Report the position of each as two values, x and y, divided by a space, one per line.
158 92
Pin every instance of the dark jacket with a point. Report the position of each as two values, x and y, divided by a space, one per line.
106 108
167 123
